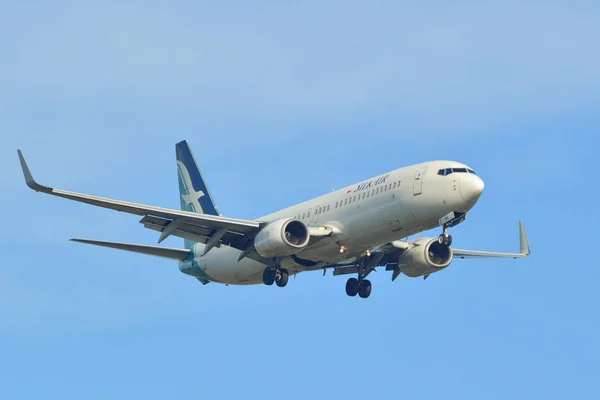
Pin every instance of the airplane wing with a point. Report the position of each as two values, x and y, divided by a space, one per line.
387 256
188 225
524 253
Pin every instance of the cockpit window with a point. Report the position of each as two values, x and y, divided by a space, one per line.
449 171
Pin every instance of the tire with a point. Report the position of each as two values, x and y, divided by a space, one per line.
282 279
365 289
269 276
445 240
352 287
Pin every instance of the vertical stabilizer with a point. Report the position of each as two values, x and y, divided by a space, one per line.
194 194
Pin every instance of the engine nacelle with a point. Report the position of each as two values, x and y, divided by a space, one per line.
425 256
281 238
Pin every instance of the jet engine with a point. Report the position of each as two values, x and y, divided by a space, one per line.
281 238
423 257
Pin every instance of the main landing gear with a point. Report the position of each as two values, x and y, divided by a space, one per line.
278 276
355 287
361 286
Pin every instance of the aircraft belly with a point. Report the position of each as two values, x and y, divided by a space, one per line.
222 265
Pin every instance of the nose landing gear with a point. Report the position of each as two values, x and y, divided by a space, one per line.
448 221
445 238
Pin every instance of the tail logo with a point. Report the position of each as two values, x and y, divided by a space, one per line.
190 198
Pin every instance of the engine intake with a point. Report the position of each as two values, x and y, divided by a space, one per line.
281 238
425 256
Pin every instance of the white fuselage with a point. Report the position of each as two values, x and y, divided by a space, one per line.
365 215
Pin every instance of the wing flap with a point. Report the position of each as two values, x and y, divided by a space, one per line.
174 254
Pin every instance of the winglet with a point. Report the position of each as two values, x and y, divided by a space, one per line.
525 249
29 178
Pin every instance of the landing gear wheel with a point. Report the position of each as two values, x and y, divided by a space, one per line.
365 288
445 239
269 276
282 278
352 287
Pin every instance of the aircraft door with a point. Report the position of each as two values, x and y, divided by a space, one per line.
418 186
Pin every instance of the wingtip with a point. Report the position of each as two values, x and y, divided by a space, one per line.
525 248
28 176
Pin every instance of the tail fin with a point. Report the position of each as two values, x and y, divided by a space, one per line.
193 192
195 196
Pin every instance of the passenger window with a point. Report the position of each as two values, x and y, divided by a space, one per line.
336 204
354 200
303 215
373 192
328 207
394 185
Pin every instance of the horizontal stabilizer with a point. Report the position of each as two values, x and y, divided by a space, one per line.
175 254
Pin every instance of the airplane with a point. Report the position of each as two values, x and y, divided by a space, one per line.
351 231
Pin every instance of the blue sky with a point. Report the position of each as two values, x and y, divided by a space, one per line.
281 102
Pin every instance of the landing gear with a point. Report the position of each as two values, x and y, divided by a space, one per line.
365 288
282 278
352 287
360 286
269 276
445 239
448 221
279 276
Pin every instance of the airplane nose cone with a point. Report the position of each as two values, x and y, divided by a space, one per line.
471 188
